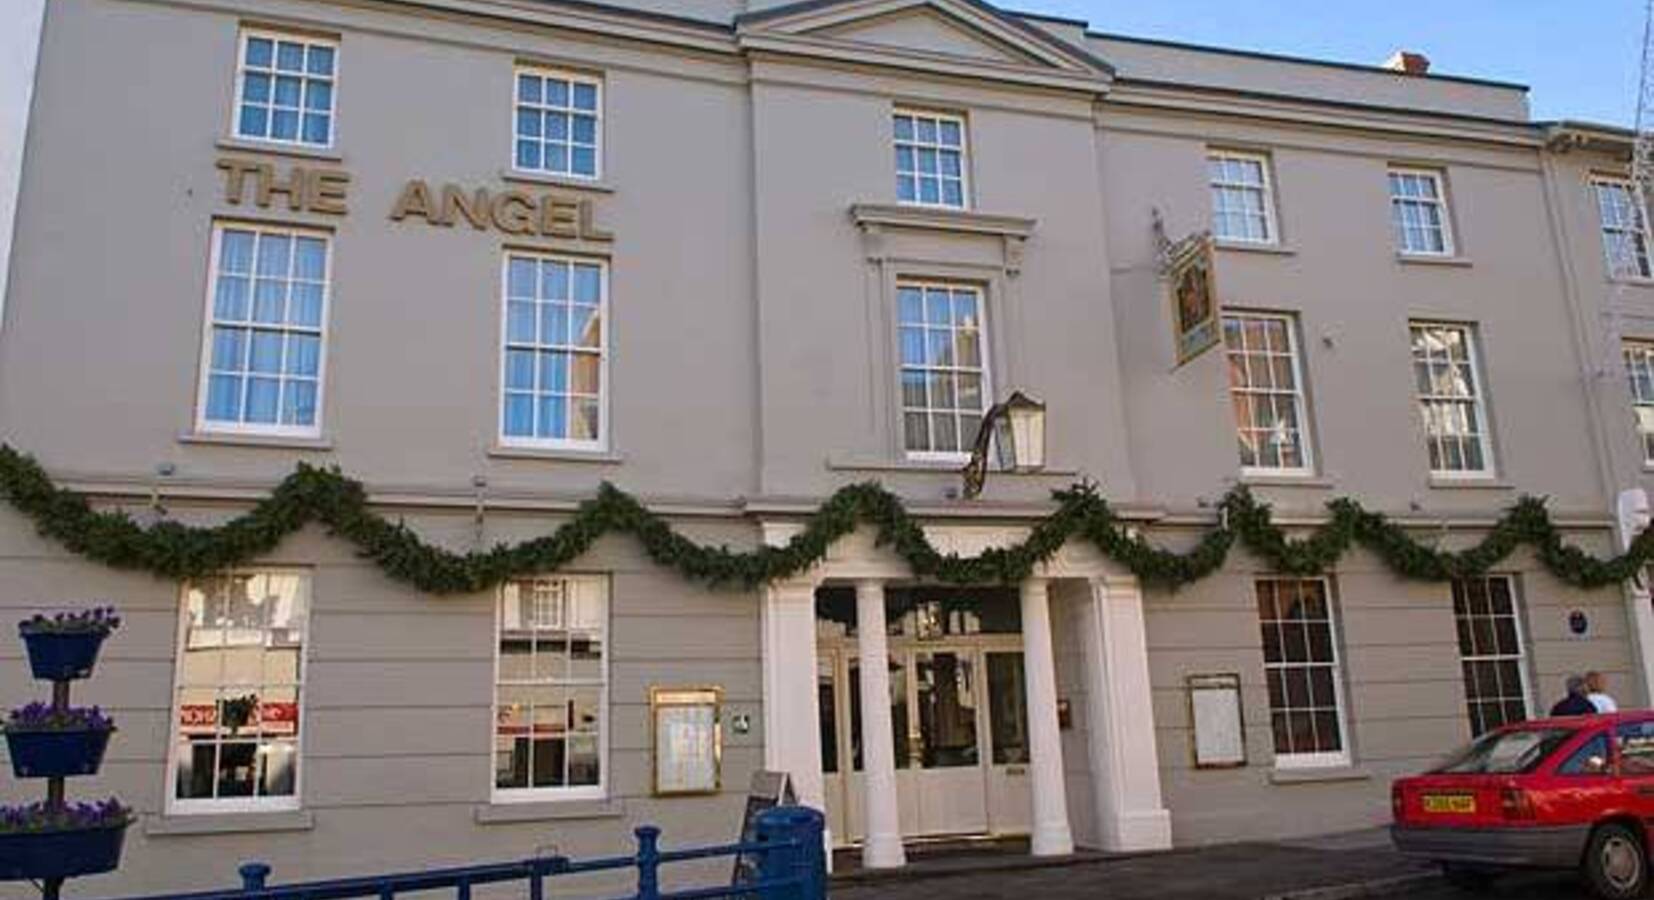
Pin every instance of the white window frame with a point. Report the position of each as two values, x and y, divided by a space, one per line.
1639 354
1342 757
1441 202
599 791
310 40
938 116
1300 397
203 425
1521 657
1473 355
605 391
962 455
173 804
573 78
1272 236
1645 263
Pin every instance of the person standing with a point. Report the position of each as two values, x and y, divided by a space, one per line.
1596 686
1576 703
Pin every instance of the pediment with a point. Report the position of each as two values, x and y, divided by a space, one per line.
925 30
955 37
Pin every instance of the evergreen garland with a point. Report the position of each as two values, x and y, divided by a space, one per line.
175 550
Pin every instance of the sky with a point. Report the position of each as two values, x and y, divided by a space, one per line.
1579 57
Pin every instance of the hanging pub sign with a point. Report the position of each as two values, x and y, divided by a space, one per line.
1193 294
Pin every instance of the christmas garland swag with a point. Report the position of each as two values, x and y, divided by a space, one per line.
310 493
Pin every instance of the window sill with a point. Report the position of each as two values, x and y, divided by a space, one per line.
600 457
228 823
1421 259
947 467
1488 483
245 145
1248 247
548 811
1631 281
1319 775
273 441
563 181
1286 479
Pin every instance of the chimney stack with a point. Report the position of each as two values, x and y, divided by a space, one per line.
1408 63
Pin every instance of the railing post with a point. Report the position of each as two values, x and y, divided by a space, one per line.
254 875
648 862
797 834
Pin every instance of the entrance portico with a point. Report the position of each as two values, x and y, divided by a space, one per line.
909 710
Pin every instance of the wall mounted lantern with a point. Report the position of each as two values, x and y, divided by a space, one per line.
1016 429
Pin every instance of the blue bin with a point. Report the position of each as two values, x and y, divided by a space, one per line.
60 854
58 656
53 754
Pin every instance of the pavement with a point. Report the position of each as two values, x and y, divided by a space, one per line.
1334 867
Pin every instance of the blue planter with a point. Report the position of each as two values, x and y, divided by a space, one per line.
50 754
60 854
63 657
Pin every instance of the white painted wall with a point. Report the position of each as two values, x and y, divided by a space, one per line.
20 26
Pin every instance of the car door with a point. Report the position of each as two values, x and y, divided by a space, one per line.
1635 748
1584 784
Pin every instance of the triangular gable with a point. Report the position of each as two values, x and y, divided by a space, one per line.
924 29
954 37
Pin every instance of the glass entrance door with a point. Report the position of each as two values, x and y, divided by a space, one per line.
948 778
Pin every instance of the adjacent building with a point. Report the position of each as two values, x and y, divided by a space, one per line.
731 256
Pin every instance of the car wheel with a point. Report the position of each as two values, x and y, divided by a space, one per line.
1615 863
1471 879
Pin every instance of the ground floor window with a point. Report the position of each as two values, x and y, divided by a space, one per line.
1300 649
1490 651
237 695
551 688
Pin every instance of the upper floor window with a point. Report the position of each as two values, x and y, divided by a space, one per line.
1450 400
1266 390
266 319
1490 651
1639 370
286 87
944 368
1624 228
1243 206
1300 652
551 688
1418 213
237 693
930 159
555 351
557 123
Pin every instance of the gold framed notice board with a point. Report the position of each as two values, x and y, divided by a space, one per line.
686 724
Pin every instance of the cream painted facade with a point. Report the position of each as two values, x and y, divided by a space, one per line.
752 288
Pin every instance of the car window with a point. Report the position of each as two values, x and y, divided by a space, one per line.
1590 759
1636 743
1508 752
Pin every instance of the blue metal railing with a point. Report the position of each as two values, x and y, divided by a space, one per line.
788 849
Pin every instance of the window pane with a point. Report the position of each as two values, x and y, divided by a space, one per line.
1300 665
552 694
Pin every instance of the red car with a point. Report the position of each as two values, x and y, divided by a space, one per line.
1570 793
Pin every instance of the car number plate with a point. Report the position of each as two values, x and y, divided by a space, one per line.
1449 803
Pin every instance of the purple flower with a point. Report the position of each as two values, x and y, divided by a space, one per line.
43 717
36 817
98 620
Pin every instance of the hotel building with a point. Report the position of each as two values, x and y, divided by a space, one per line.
731 256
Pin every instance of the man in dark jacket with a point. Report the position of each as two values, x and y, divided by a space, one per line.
1576 703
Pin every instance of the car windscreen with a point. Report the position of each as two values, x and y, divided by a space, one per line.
1506 752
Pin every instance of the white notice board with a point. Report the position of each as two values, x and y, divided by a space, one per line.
1218 728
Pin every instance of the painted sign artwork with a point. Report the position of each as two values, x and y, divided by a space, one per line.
1193 296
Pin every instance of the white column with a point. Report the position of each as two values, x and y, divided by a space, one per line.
882 830
792 728
1051 836
1633 517
1125 768
22 23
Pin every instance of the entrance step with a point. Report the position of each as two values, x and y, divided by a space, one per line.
962 856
